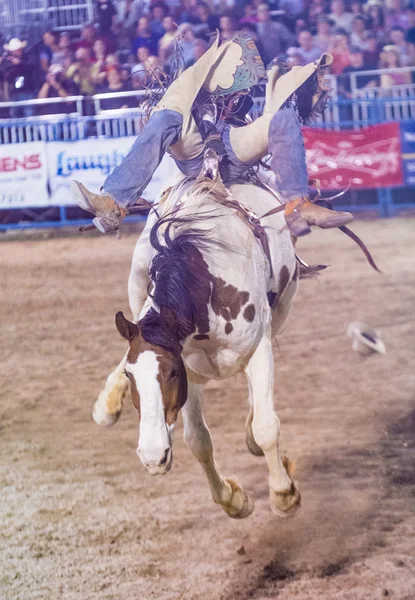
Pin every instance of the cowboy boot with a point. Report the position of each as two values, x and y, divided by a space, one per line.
301 213
108 215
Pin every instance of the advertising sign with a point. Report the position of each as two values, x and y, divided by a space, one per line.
23 175
408 152
90 161
368 158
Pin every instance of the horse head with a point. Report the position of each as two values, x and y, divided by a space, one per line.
158 384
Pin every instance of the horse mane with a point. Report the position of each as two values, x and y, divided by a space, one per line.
180 277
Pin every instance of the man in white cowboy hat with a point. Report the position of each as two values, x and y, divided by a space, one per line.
16 75
183 123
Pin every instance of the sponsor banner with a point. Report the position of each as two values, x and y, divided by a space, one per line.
367 158
23 175
90 161
408 152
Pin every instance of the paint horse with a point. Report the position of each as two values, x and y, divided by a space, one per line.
206 305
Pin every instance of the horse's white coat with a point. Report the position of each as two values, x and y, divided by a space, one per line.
239 260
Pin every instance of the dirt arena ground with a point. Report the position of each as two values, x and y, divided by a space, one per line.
82 520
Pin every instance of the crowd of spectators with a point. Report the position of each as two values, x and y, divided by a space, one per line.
132 43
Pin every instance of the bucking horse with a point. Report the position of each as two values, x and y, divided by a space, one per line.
207 298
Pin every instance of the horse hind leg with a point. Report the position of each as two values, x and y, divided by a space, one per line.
108 406
226 492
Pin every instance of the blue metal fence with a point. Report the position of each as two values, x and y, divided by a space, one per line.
111 124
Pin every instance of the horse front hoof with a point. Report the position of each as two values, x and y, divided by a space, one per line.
240 505
285 504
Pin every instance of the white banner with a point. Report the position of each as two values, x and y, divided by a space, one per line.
23 175
90 161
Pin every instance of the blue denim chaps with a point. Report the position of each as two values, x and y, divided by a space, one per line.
127 181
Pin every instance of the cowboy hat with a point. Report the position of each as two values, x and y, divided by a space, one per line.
365 339
15 44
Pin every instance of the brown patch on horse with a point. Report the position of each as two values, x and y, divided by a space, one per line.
272 298
249 313
135 396
173 383
137 345
228 328
284 280
201 336
226 300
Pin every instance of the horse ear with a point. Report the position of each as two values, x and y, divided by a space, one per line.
168 320
127 329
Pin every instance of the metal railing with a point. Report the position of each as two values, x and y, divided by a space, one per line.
394 102
66 15
17 17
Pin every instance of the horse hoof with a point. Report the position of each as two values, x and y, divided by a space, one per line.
285 504
241 504
103 418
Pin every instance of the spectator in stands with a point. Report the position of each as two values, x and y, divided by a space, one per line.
344 82
199 48
316 10
357 63
88 37
339 16
130 11
294 58
292 7
169 27
376 16
56 85
106 16
145 37
186 37
275 37
114 83
81 72
226 28
139 70
397 38
64 56
371 53
48 50
249 15
390 59
340 52
323 38
308 51
158 12
356 7
395 15
204 21
99 67
189 15
359 32
16 75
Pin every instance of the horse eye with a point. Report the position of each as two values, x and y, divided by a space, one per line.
126 374
174 373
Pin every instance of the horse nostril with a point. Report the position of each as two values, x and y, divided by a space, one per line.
165 457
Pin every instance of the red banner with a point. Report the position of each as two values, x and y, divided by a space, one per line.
368 158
